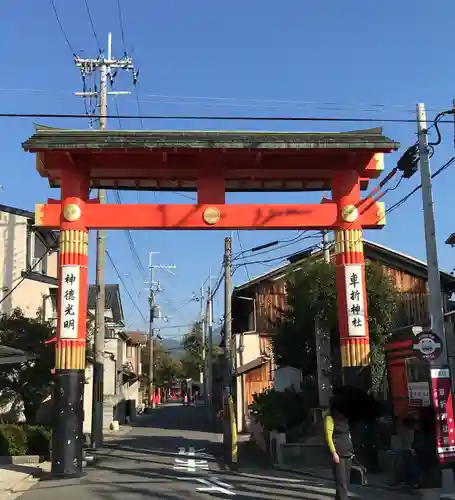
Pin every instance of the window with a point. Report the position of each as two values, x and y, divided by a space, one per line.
36 253
129 351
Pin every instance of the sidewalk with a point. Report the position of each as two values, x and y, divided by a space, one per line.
374 480
141 462
377 481
16 479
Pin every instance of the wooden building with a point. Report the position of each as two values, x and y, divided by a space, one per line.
256 304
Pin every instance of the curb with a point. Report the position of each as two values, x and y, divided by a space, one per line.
21 460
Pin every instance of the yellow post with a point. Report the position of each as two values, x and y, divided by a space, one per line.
234 443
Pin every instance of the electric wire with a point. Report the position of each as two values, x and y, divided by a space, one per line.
405 198
122 281
87 8
241 248
26 275
302 237
303 234
232 101
131 244
62 29
138 103
273 259
326 119
118 112
120 18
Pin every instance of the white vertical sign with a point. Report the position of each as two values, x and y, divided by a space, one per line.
69 301
419 392
355 300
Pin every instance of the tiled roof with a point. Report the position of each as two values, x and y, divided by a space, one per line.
137 337
112 300
51 138
373 251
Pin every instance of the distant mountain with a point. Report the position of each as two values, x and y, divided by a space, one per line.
175 348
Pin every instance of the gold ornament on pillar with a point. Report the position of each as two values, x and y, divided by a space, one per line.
349 213
72 212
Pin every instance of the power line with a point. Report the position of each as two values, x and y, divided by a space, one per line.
87 8
120 17
223 118
273 248
54 8
26 275
138 102
241 248
131 244
417 188
232 101
273 259
124 285
405 198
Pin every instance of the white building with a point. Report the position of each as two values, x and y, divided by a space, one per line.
122 362
28 261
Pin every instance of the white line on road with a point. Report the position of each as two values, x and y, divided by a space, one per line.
212 485
272 478
189 464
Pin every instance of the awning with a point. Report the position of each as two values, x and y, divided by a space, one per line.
9 356
255 363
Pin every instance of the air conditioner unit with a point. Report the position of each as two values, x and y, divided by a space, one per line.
36 265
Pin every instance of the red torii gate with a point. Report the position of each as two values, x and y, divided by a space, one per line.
210 163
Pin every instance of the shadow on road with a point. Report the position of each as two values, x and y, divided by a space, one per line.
152 448
177 418
142 465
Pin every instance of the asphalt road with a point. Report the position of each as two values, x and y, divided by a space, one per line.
170 455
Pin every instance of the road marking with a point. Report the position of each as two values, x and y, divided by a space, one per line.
272 478
189 464
212 485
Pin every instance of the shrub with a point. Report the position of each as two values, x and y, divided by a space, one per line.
38 440
13 440
279 410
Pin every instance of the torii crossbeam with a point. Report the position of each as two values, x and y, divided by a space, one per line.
210 164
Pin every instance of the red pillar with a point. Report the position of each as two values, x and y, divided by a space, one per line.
67 442
350 274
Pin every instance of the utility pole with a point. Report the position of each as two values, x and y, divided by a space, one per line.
104 65
209 323
434 282
326 246
439 367
323 347
203 372
227 313
227 420
154 288
151 340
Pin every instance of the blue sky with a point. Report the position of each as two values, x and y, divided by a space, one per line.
300 58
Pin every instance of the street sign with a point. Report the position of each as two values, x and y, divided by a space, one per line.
441 387
419 394
428 346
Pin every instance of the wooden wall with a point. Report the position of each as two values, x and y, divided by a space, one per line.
412 306
270 300
256 381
